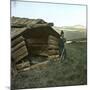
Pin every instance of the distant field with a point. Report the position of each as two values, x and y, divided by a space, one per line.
72 33
72 71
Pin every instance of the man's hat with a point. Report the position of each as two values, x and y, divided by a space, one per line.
62 32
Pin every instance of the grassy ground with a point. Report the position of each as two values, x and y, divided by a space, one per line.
72 71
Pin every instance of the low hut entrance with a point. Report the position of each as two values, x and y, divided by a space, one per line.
37 44
42 43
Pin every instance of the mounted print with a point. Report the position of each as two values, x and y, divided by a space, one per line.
48 44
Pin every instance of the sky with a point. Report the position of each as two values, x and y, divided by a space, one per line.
59 14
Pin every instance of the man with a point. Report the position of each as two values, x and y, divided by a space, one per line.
62 50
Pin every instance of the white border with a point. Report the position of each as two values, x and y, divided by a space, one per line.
5 45
62 1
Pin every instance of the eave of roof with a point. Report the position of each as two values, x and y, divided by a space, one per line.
16 31
15 21
19 25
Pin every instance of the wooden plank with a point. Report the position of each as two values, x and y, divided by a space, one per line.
21 56
52 37
39 25
40 65
17 31
38 45
18 46
51 46
53 52
43 53
23 65
24 69
17 40
42 49
53 56
37 40
51 41
20 53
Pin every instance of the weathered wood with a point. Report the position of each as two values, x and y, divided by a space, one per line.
41 53
20 53
40 65
23 65
39 25
38 45
24 69
42 49
53 56
52 43
52 38
53 52
17 31
21 56
18 46
37 40
17 40
51 46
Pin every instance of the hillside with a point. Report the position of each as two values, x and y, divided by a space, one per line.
72 32
75 27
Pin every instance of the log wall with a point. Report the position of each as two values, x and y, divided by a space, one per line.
19 53
53 47
37 46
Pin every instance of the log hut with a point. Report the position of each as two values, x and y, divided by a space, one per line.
32 41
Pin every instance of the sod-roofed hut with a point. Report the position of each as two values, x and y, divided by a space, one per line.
32 41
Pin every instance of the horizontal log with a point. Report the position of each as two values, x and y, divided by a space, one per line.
43 46
39 25
24 69
50 46
38 45
43 49
53 56
17 31
18 46
37 40
17 40
21 56
53 43
20 53
50 41
40 53
23 65
43 54
53 40
52 37
40 65
53 52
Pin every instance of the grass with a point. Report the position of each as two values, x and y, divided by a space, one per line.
72 71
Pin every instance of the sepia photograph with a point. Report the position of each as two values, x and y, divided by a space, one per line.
48 44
